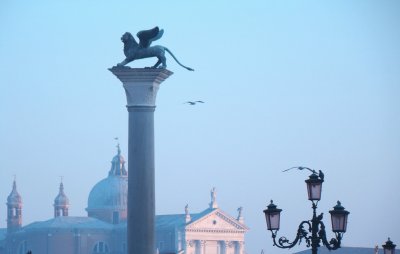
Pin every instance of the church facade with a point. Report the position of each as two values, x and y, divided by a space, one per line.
211 231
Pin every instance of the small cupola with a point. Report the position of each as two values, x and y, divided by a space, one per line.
61 203
118 165
14 198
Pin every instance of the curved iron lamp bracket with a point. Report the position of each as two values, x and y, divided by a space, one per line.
334 243
304 231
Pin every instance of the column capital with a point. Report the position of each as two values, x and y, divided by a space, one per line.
141 84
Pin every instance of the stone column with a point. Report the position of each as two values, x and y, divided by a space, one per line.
141 86
203 246
239 247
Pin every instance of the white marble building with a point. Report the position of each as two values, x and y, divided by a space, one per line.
211 231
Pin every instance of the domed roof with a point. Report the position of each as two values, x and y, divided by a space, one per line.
61 199
14 198
111 192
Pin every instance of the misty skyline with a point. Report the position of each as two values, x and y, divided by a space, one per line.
288 83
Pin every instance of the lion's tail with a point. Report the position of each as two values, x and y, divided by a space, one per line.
188 68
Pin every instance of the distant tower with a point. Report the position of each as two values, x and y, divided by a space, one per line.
14 210
61 203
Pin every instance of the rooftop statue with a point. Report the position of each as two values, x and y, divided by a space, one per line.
134 50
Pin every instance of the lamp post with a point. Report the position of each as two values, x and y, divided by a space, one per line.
312 231
389 247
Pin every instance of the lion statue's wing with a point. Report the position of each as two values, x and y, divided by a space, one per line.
146 37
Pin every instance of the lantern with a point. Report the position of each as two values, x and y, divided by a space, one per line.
272 216
339 218
314 187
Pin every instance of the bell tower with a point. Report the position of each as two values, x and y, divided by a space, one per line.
61 203
14 210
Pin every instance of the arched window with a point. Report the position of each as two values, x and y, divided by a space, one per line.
23 248
100 247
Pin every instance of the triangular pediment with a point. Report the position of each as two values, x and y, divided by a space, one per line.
216 219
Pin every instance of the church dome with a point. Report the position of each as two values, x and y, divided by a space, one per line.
14 198
110 195
111 192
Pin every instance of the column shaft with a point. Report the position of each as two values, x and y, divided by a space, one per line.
141 188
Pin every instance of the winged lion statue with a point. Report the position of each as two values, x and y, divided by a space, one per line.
134 50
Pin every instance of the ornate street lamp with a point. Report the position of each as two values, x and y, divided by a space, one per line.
389 247
272 216
312 231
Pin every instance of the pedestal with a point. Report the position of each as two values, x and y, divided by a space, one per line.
141 86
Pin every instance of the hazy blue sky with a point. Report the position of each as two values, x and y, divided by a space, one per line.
286 83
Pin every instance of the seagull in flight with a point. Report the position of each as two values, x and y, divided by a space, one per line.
320 173
300 168
193 102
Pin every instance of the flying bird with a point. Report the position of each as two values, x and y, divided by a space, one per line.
193 102
320 173
300 168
